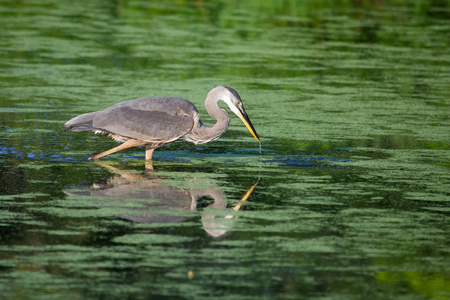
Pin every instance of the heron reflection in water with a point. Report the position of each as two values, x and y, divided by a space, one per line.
156 121
147 200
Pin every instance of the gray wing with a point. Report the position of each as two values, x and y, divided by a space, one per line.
156 119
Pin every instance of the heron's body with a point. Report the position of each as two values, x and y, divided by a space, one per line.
156 121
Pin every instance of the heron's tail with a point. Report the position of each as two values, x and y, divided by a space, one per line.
81 123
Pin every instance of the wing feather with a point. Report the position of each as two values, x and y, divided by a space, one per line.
157 119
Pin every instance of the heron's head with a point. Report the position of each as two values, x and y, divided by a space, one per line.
232 99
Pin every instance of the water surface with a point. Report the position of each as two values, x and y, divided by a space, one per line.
350 99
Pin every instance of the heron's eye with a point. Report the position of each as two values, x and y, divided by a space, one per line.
238 103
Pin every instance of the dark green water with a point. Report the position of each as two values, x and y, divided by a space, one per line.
350 99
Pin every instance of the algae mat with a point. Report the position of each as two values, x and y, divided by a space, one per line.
348 197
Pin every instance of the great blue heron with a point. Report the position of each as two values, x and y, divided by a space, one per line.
157 121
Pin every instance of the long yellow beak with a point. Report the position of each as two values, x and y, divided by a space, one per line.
244 118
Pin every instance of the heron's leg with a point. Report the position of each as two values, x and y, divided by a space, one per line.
149 152
128 144
148 157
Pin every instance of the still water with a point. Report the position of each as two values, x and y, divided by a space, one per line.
348 198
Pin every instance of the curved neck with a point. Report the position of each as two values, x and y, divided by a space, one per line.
205 133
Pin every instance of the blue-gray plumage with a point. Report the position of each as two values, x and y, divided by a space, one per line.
155 121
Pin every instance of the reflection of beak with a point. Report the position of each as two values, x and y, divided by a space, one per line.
244 118
249 192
